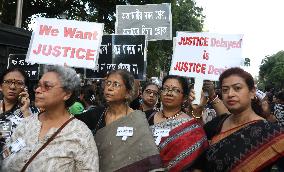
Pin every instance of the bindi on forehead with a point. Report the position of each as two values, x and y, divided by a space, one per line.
173 82
14 75
13 79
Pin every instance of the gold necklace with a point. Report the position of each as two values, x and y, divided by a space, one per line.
171 117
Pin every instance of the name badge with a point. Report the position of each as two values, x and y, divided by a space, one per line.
14 147
124 132
5 126
5 129
16 120
159 133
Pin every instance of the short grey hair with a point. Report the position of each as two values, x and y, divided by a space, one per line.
69 79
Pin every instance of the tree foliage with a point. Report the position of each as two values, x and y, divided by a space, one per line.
73 9
186 16
271 71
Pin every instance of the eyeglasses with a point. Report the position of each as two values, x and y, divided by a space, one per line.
45 87
114 84
17 83
149 92
174 90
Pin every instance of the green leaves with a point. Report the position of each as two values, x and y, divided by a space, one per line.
271 72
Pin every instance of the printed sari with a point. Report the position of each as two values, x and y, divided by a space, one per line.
184 143
136 153
255 147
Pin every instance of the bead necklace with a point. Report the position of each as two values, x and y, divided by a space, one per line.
171 117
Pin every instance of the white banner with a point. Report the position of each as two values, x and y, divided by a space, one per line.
65 42
205 55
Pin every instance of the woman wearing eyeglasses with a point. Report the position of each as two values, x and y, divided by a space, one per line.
52 140
180 138
15 104
122 134
150 95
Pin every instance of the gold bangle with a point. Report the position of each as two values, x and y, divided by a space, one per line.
214 103
212 100
196 117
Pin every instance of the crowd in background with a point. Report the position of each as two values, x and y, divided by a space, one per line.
270 106
74 125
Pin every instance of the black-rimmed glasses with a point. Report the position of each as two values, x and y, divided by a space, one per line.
17 83
174 90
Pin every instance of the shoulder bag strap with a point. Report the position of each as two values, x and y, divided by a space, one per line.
151 116
43 146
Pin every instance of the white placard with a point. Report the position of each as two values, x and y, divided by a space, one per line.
198 84
260 94
65 42
205 55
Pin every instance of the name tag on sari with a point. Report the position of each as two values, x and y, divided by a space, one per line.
124 132
16 120
16 146
5 129
159 133
5 126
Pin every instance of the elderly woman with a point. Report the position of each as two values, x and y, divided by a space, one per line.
123 137
15 104
52 140
242 140
180 138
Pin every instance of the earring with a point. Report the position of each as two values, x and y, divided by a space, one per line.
254 98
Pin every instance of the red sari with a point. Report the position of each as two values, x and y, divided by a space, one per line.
186 141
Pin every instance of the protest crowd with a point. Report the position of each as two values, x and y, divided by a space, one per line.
101 126
202 115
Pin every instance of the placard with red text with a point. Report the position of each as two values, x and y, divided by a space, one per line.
205 55
65 42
